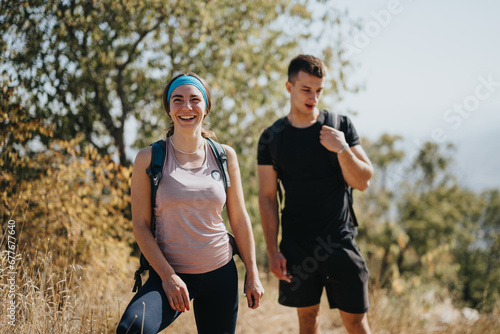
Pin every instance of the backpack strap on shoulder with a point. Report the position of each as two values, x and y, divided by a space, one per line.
332 119
275 139
221 158
154 171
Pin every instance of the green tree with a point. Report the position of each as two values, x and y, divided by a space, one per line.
384 238
479 256
90 66
440 217
385 157
434 208
440 230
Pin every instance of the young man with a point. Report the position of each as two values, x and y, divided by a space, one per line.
312 160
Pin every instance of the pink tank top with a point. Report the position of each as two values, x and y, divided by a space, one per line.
190 230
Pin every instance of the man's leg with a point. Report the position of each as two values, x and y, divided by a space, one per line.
308 319
355 323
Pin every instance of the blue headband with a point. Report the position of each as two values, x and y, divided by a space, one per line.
187 80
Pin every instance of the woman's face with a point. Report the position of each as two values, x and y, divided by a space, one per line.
187 107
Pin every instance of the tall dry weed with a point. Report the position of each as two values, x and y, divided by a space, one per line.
51 298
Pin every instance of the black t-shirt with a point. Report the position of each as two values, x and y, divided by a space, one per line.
315 201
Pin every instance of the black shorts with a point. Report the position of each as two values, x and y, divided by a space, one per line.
339 267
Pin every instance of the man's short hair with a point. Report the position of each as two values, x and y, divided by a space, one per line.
308 64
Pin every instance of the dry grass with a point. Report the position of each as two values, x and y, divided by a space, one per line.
91 300
49 299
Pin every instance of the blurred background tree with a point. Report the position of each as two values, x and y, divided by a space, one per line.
69 199
419 226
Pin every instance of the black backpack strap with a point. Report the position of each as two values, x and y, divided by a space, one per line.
154 171
348 191
221 158
275 137
332 119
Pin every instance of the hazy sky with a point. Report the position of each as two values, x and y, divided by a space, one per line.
432 72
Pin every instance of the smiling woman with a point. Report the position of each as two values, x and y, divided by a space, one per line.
189 251
187 91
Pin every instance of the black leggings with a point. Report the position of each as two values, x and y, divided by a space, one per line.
215 303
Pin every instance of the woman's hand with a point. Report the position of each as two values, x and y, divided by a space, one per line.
253 291
177 293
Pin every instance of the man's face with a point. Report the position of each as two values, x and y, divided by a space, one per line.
305 92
